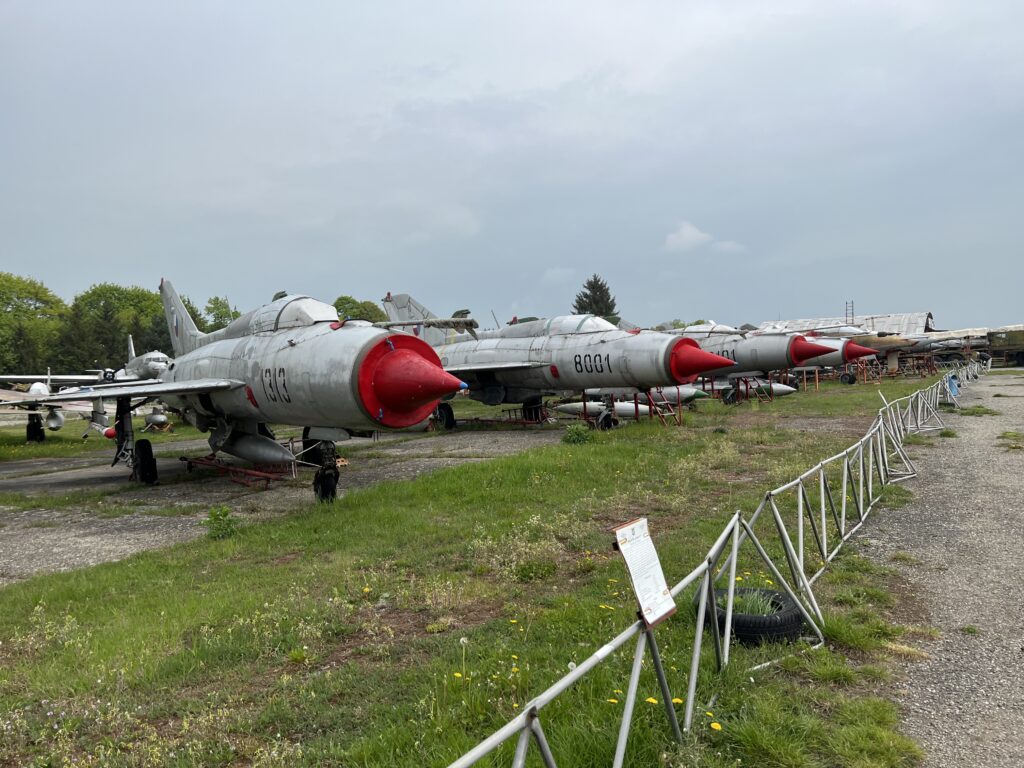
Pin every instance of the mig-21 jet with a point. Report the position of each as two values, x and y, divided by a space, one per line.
289 362
528 360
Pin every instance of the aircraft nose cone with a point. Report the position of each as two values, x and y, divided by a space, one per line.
853 351
401 380
801 350
688 360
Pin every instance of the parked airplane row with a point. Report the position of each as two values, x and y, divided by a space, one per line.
295 362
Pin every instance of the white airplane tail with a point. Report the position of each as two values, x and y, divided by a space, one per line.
403 308
131 348
185 336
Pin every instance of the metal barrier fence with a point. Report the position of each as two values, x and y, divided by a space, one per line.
825 506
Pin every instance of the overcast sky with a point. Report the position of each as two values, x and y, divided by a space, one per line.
727 160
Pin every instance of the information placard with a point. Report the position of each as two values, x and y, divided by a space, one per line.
644 568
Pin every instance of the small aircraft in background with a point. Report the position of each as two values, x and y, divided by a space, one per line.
138 368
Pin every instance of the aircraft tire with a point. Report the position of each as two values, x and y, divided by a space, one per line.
784 625
445 416
533 411
848 378
145 464
607 421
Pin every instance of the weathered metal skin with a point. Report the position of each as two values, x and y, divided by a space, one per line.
289 380
754 354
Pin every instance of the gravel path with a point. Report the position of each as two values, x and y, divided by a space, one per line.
965 703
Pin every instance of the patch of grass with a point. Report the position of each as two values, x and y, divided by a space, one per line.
220 523
577 433
970 629
1011 435
978 410
904 557
916 439
68 441
947 432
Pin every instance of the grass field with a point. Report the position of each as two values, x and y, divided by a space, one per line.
68 441
406 622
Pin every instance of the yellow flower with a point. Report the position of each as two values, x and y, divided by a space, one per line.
617 691
769 582
716 726
677 700
513 621
739 578
514 705
613 701
515 657
514 670
710 714
457 674
365 590
651 700
613 581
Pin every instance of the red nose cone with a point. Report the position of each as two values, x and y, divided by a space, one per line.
401 380
853 351
688 360
801 350
110 433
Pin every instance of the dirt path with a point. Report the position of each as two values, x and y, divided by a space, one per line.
965 703
41 535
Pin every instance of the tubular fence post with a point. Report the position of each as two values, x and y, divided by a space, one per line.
824 520
666 693
542 743
522 744
691 688
727 642
800 527
846 472
627 712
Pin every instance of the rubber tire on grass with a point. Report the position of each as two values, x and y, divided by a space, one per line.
785 625
145 464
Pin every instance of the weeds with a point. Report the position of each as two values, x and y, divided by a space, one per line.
576 434
220 523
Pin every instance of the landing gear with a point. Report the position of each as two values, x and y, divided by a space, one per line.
325 481
445 416
607 421
145 464
848 378
34 432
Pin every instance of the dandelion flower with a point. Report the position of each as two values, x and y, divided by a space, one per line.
514 705
513 621
515 670
716 726
617 691
613 701
515 657
651 700
710 714
457 674
677 700
739 578
366 590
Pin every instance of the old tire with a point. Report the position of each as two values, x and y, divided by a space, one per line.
784 625
145 464
34 432
445 416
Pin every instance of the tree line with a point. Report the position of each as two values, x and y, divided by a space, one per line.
39 330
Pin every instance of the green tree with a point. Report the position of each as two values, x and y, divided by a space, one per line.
219 312
596 299
30 321
359 310
100 319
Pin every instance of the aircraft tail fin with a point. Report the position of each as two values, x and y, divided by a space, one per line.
131 348
185 336
403 308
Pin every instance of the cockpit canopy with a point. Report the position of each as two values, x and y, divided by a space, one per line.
559 326
291 312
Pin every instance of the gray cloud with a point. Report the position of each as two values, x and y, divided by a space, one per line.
241 148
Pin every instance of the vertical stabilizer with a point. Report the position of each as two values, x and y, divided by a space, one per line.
184 335
401 307
131 348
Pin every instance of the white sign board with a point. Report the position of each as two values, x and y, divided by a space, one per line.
644 568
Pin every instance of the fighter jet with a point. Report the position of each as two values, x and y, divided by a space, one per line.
843 351
753 355
528 360
288 362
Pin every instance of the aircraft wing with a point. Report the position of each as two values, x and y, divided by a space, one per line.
460 324
142 389
22 378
